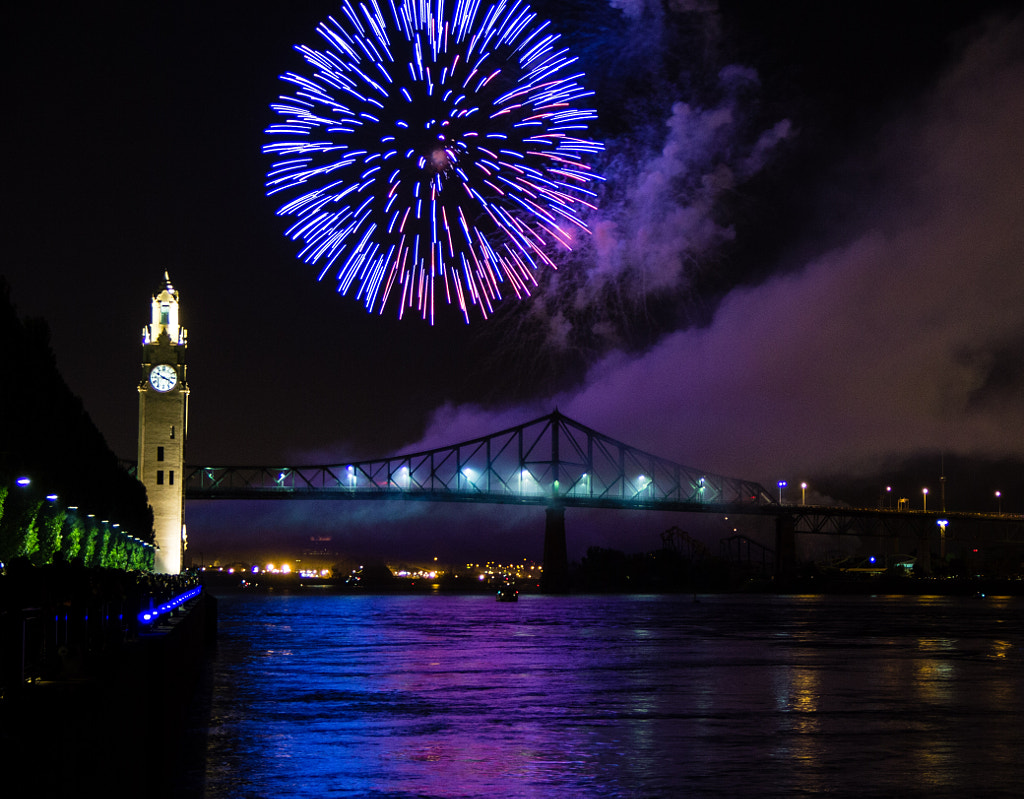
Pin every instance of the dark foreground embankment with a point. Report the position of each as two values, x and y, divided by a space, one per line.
119 730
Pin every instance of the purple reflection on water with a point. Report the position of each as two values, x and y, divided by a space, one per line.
615 696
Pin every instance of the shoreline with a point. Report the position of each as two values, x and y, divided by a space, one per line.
882 584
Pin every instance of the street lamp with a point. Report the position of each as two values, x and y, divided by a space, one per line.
942 537
924 491
803 493
999 502
888 495
782 485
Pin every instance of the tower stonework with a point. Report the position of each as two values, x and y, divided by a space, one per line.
163 419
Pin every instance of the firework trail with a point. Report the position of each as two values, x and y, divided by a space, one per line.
436 151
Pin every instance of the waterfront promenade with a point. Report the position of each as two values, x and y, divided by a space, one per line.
92 697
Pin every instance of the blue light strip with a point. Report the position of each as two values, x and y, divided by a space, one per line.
151 615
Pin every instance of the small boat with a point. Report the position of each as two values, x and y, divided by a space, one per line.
508 593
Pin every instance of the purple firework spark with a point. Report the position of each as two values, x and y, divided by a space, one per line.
433 151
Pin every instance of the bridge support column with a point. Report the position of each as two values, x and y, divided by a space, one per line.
785 547
923 564
555 577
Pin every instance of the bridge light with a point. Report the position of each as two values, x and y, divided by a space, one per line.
924 493
24 481
782 485
942 536
403 477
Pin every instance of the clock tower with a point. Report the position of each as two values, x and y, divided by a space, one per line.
163 416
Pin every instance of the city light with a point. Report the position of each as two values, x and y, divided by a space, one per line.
782 485
924 493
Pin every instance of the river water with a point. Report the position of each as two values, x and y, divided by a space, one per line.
614 696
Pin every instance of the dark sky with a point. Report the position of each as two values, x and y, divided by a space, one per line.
808 261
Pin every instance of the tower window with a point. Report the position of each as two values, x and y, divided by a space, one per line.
170 476
159 453
172 431
165 314
160 477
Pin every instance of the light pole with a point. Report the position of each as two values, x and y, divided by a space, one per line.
782 485
924 492
999 502
942 537
888 496
803 493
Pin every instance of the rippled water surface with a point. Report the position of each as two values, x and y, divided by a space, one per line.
594 696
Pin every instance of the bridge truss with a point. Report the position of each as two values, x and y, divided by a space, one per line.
550 460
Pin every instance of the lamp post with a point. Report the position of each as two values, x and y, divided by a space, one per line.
782 485
924 492
888 496
803 493
999 502
942 537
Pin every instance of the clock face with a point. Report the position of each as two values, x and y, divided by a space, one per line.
163 377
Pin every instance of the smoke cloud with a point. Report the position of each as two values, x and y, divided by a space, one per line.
686 145
903 337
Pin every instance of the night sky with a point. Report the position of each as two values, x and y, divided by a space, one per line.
807 263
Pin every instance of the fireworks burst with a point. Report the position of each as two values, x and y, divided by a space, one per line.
435 151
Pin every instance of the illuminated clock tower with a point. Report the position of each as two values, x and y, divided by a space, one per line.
163 416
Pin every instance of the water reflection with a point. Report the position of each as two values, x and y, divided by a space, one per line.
614 696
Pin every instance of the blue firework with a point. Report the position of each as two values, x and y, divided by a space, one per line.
436 151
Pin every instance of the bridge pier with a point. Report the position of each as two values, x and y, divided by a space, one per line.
555 577
924 553
785 547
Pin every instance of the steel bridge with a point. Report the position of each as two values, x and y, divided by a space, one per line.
552 458
555 462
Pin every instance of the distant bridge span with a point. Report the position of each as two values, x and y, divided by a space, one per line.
552 461
552 458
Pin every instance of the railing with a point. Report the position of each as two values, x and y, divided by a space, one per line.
62 624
